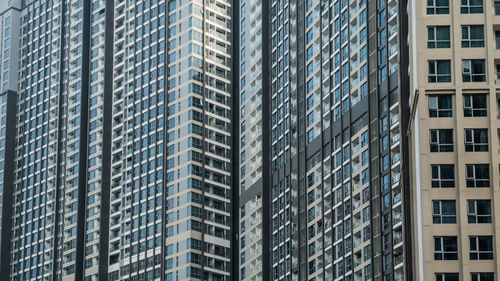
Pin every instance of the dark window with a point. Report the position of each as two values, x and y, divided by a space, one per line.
438 37
478 175
497 39
438 7
475 105
476 139
479 211
443 175
440 106
447 277
471 6
445 248
473 70
472 36
444 211
482 276
441 140
439 71
481 248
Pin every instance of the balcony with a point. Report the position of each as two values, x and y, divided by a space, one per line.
395 158
396 176
397 237
398 258
397 216
398 275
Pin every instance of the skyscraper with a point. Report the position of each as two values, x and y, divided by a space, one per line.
9 42
123 145
454 139
7 133
254 142
206 140
333 114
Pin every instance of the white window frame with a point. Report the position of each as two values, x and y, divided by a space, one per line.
439 214
437 41
468 6
437 142
480 276
468 40
473 178
468 71
470 141
474 109
437 75
473 214
447 277
439 179
434 8
437 109
478 251
442 252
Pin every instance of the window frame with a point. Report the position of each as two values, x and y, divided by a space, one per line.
471 76
436 42
473 145
466 8
438 10
442 253
436 145
438 77
475 251
446 276
473 215
439 180
482 276
471 110
438 216
468 41
472 181
440 112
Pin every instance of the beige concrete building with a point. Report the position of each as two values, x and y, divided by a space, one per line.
454 136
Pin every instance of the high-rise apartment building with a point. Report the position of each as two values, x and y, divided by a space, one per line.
254 142
336 189
7 137
205 140
454 136
330 107
122 115
9 42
